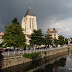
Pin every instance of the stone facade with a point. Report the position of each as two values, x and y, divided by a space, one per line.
16 60
28 24
13 61
53 33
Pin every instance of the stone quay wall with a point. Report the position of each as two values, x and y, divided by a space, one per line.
15 60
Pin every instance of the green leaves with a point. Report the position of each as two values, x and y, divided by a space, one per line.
48 40
61 40
13 35
36 37
15 21
32 55
55 41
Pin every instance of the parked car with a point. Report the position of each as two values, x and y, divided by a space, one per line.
9 49
2 50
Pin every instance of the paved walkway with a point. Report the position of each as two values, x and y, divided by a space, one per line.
10 53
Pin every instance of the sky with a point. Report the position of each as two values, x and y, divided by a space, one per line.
50 14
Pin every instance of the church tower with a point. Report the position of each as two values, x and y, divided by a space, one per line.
29 23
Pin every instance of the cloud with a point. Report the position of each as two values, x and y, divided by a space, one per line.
63 27
50 13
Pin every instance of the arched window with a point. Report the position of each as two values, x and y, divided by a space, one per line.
30 22
25 24
33 23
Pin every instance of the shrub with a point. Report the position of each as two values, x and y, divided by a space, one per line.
32 55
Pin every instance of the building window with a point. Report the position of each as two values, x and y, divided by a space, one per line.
50 34
30 22
33 23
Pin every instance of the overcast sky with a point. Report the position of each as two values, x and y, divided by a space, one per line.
50 14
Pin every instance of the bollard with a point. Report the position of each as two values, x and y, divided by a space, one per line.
8 52
14 52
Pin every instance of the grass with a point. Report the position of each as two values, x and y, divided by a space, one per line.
32 55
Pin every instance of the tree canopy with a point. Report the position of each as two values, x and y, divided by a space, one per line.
61 40
13 35
48 40
66 41
55 41
36 37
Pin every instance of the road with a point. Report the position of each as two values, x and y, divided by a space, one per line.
9 53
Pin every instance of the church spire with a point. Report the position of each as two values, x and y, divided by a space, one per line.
29 6
29 12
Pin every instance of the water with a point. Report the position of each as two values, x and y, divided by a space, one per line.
58 63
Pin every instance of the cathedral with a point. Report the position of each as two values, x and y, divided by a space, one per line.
28 24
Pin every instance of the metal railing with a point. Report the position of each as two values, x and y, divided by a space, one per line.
11 53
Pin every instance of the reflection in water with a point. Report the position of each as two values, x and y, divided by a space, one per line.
1 59
35 64
62 62
54 66
42 65
70 54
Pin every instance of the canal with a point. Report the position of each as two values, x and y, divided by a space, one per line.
57 63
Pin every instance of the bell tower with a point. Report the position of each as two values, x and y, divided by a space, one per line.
29 23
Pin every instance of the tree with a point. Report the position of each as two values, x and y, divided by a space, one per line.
55 41
61 40
66 41
48 40
71 40
13 35
1 45
36 37
15 21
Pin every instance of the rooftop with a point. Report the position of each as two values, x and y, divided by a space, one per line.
1 34
29 12
53 32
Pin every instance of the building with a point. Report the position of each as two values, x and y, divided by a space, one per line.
53 33
28 24
1 34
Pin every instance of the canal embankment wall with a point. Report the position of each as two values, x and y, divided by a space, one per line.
10 61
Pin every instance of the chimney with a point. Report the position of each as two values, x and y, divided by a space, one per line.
48 31
53 30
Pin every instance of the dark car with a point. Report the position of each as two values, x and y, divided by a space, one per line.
2 50
9 49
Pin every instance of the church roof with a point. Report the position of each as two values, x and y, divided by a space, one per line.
29 12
